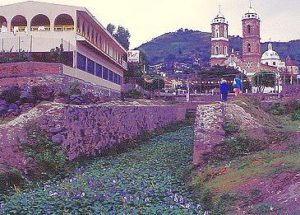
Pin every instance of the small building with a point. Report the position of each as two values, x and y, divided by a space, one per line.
90 52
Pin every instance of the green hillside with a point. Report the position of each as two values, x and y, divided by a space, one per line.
187 45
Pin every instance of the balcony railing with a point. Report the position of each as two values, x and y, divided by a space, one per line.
40 28
64 28
19 28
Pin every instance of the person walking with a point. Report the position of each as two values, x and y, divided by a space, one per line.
237 85
224 90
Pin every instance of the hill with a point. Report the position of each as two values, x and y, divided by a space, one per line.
188 46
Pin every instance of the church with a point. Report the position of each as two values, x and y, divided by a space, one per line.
250 60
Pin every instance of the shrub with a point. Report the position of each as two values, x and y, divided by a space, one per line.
49 157
134 94
230 128
42 92
74 88
206 199
10 178
278 109
235 146
11 95
296 115
222 205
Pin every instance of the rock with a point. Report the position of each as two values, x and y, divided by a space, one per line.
26 107
13 108
77 100
58 139
3 107
43 92
90 97
26 96
56 130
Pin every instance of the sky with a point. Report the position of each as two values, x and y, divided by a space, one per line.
147 19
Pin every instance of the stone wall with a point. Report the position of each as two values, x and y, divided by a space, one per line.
28 74
209 127
28 69
83 130
208 130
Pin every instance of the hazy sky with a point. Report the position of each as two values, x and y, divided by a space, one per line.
147 19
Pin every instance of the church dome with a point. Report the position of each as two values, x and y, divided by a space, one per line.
270 54
220 18
251 14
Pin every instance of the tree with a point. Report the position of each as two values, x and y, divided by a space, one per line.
122 36
111 28
264 79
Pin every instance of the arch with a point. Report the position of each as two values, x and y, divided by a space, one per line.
3 24
217 50
64 22
225 50
249 29
40 22
217 33
249 47
19 24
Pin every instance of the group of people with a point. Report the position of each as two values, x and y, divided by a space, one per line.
225 88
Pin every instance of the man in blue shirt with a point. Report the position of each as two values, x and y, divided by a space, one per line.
224 90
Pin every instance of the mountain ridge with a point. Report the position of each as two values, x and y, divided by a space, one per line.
186 46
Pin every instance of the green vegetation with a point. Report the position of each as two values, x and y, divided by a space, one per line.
50 158
10 179
263 79
122 35
149 179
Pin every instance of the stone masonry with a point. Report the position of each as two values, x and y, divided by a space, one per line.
209 130
84 130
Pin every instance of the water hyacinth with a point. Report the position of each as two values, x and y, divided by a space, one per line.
145 180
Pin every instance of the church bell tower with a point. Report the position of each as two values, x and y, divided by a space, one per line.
219 40
251 39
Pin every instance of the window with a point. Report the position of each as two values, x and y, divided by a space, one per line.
249 29
111 76
81 62
274 63
90 66
115 78
105 73
249 47
99 72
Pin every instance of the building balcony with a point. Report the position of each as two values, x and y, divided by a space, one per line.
19 29
64 28
40 28
88 42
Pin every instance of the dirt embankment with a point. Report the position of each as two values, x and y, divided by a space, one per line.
255 170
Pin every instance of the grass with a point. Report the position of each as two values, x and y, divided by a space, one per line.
289 124
227 177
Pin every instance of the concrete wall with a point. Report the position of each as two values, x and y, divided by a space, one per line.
83 130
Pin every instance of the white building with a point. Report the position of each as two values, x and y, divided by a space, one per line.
91 53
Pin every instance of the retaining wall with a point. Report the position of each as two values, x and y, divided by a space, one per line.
83 130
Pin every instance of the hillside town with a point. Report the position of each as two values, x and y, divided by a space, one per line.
189 122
